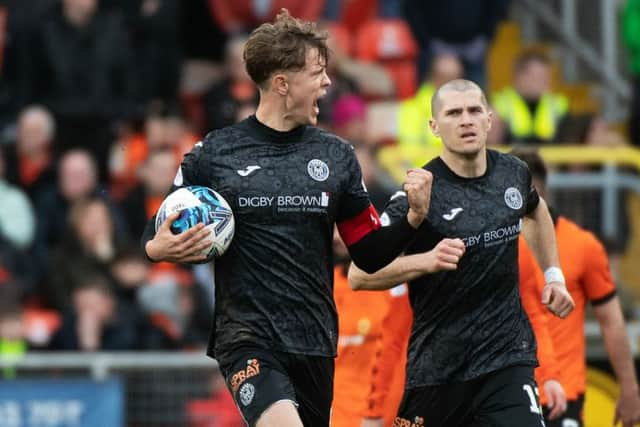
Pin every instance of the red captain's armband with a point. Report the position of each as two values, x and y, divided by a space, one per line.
353 229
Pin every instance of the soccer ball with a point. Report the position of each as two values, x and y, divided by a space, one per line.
200 204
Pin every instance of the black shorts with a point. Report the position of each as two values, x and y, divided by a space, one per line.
504 398
258 378
572 416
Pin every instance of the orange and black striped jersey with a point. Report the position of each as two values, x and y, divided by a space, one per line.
586 269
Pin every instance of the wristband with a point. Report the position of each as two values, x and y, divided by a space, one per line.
553 274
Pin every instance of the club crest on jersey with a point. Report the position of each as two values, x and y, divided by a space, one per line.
318 170
247 391
513 198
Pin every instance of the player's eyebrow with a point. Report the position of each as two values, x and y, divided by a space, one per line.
450 111
458 110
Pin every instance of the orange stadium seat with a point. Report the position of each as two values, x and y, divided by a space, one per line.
390 43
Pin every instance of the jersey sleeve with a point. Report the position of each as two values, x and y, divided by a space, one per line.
596 279
396 208
356 216
193 169
533 198
396 328
531 285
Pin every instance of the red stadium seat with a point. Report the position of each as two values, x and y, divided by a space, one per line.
340 35
355 13
390 43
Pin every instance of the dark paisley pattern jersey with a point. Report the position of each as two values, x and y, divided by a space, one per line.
470 321
274 285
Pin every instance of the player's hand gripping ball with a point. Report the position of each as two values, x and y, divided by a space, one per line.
200 204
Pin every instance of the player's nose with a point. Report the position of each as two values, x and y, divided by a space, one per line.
326 81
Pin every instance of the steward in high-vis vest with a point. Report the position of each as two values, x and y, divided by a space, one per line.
530 111
414 135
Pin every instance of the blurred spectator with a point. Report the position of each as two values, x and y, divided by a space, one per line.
130 271
587 129
90 242
157 174
30 162
178 310
13 342
241 16
350 76
17 222
202 39
379 185
80 67
349 119
360 389
17 18
461 27
530 111
98 321
179 135
631 36
154 33
414 133
161 130
76 180
224 102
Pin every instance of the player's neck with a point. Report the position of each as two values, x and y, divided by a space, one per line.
271 115
466 165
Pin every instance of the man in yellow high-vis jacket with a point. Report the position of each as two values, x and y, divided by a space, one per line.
530 111
413 133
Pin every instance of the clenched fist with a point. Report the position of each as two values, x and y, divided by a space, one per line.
418 189
445 256
557 299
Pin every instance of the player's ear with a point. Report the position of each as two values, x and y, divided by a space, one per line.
434 127
280 84
489 119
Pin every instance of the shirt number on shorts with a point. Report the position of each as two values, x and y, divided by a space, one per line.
533 394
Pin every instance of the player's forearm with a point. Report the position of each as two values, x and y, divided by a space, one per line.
401 270
540 234
379 247
609 316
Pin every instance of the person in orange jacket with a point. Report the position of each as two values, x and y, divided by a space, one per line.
367 324
388 373
584 262
547 374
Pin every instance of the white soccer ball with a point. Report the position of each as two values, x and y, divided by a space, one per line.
200 204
